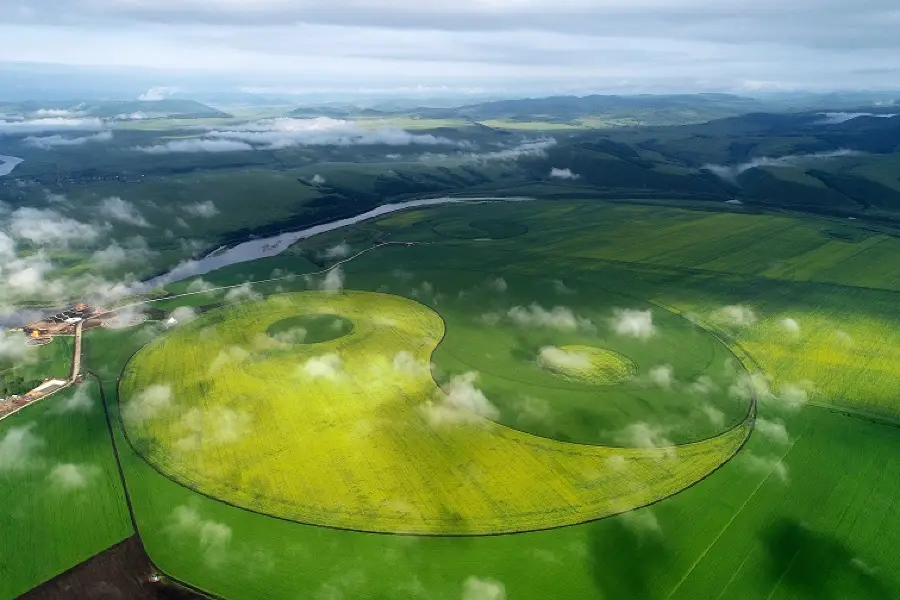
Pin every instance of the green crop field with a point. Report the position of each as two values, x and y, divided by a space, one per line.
648 402
60 489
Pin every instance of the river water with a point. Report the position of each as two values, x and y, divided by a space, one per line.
272 246
8 163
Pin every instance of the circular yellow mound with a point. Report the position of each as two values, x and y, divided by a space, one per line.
587 364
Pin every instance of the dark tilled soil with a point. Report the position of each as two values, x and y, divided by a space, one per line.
120 573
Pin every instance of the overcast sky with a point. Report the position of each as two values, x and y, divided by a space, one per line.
467 45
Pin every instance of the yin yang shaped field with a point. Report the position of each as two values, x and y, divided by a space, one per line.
323 409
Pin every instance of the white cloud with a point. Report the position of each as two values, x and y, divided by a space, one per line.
561 288
730 172
792 396
334 281
703 386
634 323
279 133
497 284
774 430
200 285
56 141
204 210
69 477
528 148
19 449
49 227
212 537
338 251
13 346
80 401
404 362
563 174
645 435
790 325
183 314
764 465
735 315
214 426
327 366
662 376
296 335
152 402
715 416
231 356
459 402
559 317
642 522
195 145
241 293
835 118
476 588
558 359
48 125
155 94
119 210
114 255
317 180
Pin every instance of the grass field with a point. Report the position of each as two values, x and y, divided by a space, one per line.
60 489
804 510
369 397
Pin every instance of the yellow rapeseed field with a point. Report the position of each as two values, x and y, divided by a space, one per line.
354 433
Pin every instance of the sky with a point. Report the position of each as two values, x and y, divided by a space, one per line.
458 46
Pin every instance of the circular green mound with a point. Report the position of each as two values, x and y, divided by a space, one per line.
310 329
587 364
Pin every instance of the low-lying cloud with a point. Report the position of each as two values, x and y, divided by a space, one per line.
334 281
731 172
195 146
67 477
57 141
213 538
763 465
563 174
476 588
646 435
328 366
836 118
736 315
204 210
122 211
152 402
28 126
19 449
459 402
634 323
559 317
559 359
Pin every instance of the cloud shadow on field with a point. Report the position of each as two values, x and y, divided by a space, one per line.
812 563
625 560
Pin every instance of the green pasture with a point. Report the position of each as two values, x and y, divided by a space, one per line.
60 489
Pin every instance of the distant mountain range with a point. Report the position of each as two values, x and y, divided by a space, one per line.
111 109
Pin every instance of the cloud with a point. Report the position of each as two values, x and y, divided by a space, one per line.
563 174
327 366
792 396
558 359
836 118
200 285
152 402
334 281
476 588
497 284
645 435
317 180
241 293
115 256
459 402
204 210
338 251
559 317
56 141
296 335
48 125
13 346
155 94
404 362
183 314
49 227
527 148
216 426
280 133
213 538
641 522
731 172
790 325
195 145
736 315
232 356
79 402
634 323
764 465
67 477
119 210
774 430
662 376
703 386
19 449
561 288
715 416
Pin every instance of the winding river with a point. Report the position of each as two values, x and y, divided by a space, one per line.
8 163
274 245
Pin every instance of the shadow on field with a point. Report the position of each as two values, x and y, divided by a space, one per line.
819 566
625 558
